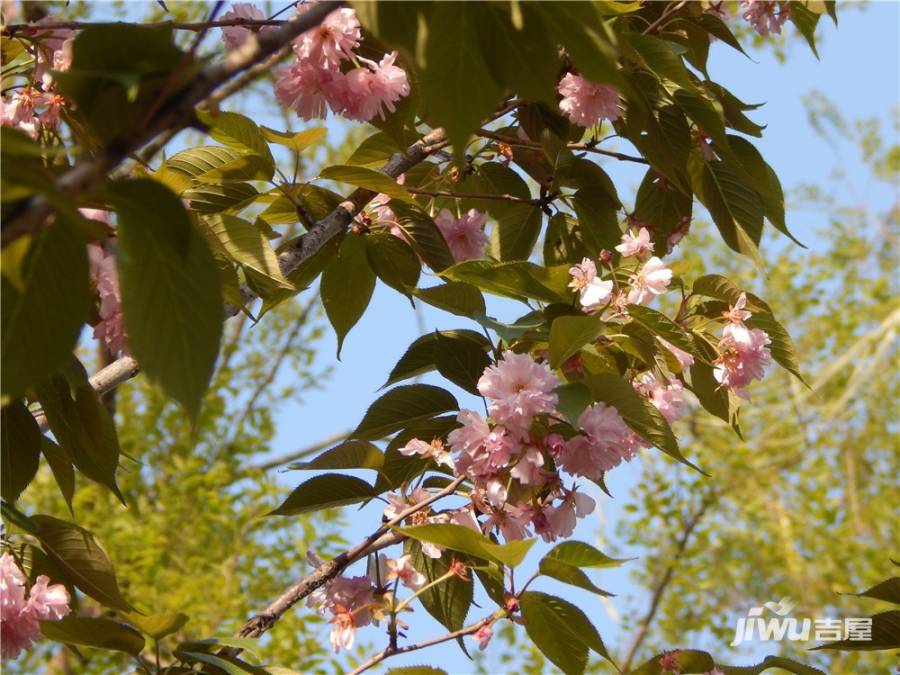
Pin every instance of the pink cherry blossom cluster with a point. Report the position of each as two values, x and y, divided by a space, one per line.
743 352
22 609
650 279
317 82
38 106
465 235
235 36
766 17
587 103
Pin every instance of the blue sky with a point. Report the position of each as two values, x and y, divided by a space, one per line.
859 70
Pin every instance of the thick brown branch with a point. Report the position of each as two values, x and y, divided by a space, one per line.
176 112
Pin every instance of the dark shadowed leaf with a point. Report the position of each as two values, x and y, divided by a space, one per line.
455 297
448 601
569 574
461 360
61 465
324 492
885 635
171 294
100 633
81 559
663 326
20 450
402 406
347 285
347 455
393 261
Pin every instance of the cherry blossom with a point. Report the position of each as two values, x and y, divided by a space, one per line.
519 389
667 398
743 357
22 610
652 280
308 89
372 88
483 635
464 235
105 275
592 290
402 569
606 442
636 244
587 103
766 17
434 450
668 662
684 359
330 42
561 518
235 36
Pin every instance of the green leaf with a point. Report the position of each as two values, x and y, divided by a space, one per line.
782 347
568 334
457 85
246 644
736 209
462 361
61 465
99 633
421 356
377 149
158 626
663 326
241 168
455 297
662 206
213 198
81 559
198 161
563 242
637 412
227 664
561 631
597 219
247 245
712 396
238 132
324 492
298 142
20 450
347 455
515 280
393 261
171 294
82 425
569 574
360 176
449 601
423 235
416 670
402 406
707 114
463 539
517 231
663 58
888 590
41 322
580 26
579 554
347 285
574 398
806 22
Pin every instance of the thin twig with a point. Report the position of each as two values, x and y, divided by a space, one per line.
461 195
586 147
281 460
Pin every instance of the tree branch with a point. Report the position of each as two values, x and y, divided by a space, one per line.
176 112
196 26
379 539
586 147
460 195
281 460
663 583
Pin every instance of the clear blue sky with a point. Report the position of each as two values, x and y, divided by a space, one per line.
858 71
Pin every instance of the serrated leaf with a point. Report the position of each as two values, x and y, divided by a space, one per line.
568 334
416 670
347 455
885 635
597 219
213 198
462 361
61 465
81 559
888 590
41 322
805 22
171 294
324 492
228 664
449 601
515 280
736 209
197 161
246 244
770 662
422 355
158 626
579 554
82 425
663 326
347 285
238 132
402 406
517 231
99 633
423 235
456 297
393 261
560 630
241 168
20 450
360 176
463 539
782 347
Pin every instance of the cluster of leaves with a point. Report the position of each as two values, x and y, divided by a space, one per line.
195 232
